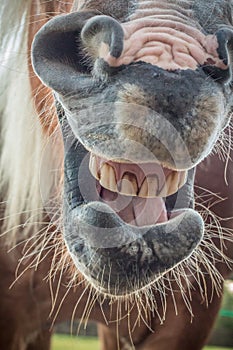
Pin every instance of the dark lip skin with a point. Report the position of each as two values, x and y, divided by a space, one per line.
117 258
180 111
130 258
140 255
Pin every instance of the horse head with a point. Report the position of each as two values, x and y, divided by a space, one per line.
142 95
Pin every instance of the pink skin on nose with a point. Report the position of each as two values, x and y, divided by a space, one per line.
167 44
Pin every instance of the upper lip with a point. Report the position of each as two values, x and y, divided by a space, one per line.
92 230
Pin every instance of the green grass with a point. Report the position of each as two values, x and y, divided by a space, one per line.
64 342
216 348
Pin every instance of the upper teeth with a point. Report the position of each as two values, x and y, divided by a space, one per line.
107 178
150 187
128 184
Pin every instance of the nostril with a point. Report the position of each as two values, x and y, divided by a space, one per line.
103 35
57 49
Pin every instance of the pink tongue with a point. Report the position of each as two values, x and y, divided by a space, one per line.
135 210
149 211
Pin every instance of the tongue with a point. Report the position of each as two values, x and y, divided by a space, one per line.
135 210
149 211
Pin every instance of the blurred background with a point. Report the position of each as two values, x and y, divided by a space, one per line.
221 338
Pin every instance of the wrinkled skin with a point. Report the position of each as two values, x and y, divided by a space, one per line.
150 109
151 88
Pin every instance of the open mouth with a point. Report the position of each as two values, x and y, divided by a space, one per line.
146 184
135 224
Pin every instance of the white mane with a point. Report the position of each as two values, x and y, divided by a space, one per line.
21 137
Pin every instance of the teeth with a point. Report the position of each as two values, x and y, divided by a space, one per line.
107 178
128 185
93 166
174 181
149 187
183 178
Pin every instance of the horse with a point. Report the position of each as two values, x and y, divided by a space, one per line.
116 170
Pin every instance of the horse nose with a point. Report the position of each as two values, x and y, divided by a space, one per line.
101 30
103 37
60 48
